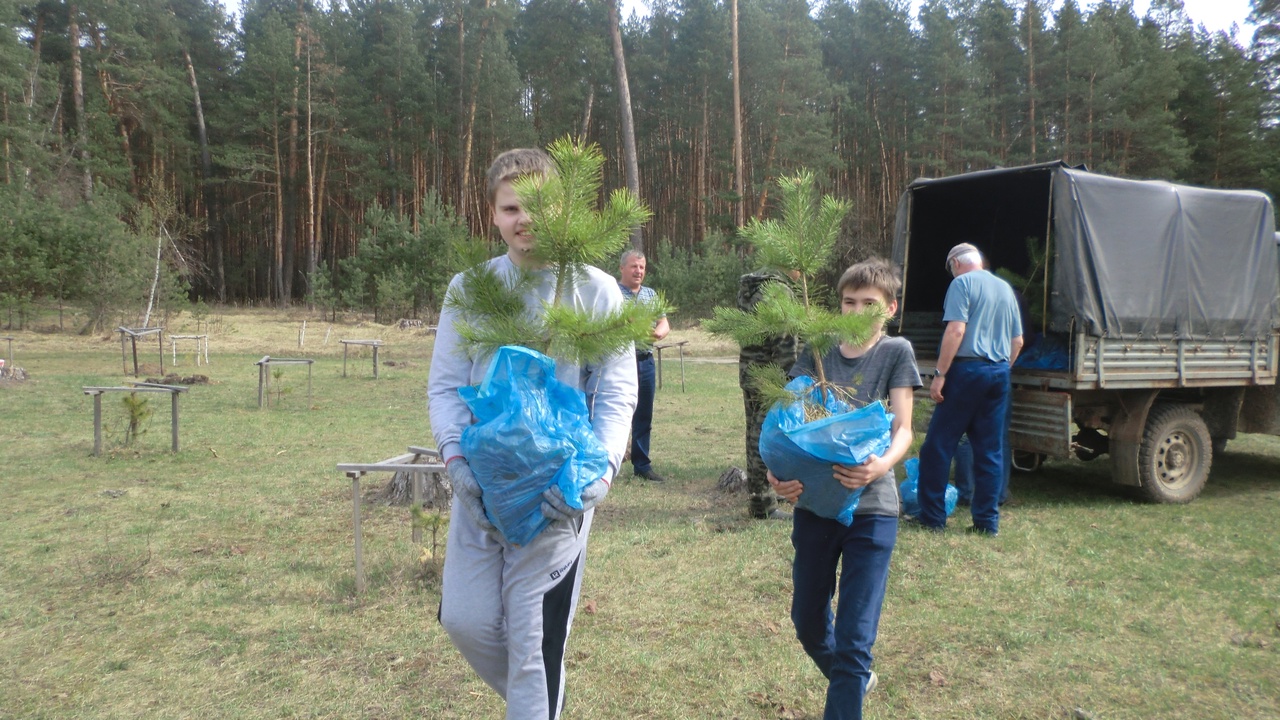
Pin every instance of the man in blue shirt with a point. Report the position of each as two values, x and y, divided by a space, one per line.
981 341
631 270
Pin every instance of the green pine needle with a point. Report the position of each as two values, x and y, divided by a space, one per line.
803 239
571 235
769 382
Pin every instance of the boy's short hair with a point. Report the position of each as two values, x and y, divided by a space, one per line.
517 163
875 273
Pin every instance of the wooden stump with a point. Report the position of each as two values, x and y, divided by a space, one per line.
437 491
733 480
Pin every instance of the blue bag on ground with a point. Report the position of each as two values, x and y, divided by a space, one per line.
796 450
909 491
531 432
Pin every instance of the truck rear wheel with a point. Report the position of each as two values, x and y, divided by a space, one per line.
1175 456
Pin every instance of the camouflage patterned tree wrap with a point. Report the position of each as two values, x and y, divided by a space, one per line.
780 351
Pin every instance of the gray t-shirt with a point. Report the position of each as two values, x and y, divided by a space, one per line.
890 363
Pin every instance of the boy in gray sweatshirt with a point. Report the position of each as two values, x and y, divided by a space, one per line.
507 608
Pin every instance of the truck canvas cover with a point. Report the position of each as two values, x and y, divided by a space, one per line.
1127 258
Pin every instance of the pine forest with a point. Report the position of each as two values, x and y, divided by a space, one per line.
333 151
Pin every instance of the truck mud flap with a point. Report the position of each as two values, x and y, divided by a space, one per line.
1041 422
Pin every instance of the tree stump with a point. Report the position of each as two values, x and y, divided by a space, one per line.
733 480
437 491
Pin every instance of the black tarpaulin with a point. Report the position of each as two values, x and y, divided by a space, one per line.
1150 258
1127 258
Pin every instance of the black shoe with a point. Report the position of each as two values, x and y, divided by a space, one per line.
913 521
651 476
975 530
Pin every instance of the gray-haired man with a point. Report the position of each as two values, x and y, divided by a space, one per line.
631 271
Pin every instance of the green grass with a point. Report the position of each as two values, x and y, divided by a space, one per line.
203 585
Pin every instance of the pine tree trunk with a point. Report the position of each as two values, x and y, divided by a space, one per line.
8 151
32 86
700 170
586 110
1089 123
278 246
464 164
739 206
1031 78
290 231
310 228
631 164
468 131
77 96
213 218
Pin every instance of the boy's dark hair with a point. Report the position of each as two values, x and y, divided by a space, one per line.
517 163
875 273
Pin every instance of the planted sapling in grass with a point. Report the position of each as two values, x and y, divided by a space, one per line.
138 412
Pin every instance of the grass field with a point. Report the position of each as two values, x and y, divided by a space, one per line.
219 583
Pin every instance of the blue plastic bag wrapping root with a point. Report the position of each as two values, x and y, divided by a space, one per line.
796 450
909 491
531 432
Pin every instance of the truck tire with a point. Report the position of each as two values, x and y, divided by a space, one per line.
1175 456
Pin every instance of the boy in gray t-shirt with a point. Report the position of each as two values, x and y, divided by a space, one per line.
882 368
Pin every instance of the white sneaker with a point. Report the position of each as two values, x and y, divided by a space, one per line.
871 682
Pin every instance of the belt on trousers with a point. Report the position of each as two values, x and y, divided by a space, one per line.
643 354
974 358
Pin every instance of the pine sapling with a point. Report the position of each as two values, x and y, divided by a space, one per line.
798 245
571 234
138 411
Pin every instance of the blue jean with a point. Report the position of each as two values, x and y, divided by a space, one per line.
975 402
642 420
962 468
841 647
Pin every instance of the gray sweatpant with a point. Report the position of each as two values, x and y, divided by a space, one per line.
508 609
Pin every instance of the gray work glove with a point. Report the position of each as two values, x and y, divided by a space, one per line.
555 507
467 490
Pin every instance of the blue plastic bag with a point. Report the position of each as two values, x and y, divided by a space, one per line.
796 450
909 491
531 432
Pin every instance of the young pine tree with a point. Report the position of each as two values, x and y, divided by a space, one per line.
571 235
799 244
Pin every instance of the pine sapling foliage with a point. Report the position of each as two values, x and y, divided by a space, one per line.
798 245
571 234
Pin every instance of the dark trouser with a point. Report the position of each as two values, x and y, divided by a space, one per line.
761 497
963 467
975 401
841 646
642 420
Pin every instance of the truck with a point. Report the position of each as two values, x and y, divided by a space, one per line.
1153 312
